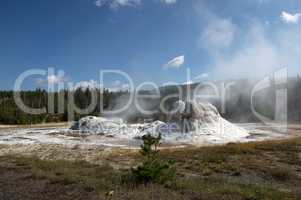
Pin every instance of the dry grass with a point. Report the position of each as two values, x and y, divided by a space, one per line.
261 170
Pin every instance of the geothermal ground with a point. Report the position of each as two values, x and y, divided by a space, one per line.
56 140
196 124
60 134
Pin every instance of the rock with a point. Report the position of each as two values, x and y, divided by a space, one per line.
75 126
110 193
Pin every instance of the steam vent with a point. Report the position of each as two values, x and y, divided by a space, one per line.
189 116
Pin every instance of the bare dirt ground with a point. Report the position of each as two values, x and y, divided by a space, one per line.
118 158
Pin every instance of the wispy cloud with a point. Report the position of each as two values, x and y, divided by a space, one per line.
169 1
114 4
218 34
117 3
290 18
125 86
248 50
84 85
201 76
260 55
263 1
117 83
188 83
175 63
121 87
51 79
257 56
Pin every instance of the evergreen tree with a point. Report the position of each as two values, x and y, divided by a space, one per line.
153 168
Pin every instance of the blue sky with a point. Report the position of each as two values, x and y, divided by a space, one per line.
151 40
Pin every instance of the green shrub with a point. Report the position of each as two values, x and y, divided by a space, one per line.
280 174
153 168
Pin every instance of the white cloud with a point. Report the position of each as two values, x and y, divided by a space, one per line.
218 34
202 76
188 83
260 55
257 57
263 1
116 83
53 79
175 63
290 18
117 3
84 85
169 1
114 4
125 86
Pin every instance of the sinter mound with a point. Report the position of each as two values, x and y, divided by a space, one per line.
190 122
190 115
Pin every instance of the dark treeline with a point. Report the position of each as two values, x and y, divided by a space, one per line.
237 106
10 113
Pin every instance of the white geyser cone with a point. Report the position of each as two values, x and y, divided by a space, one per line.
196 123
191 122
103 126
